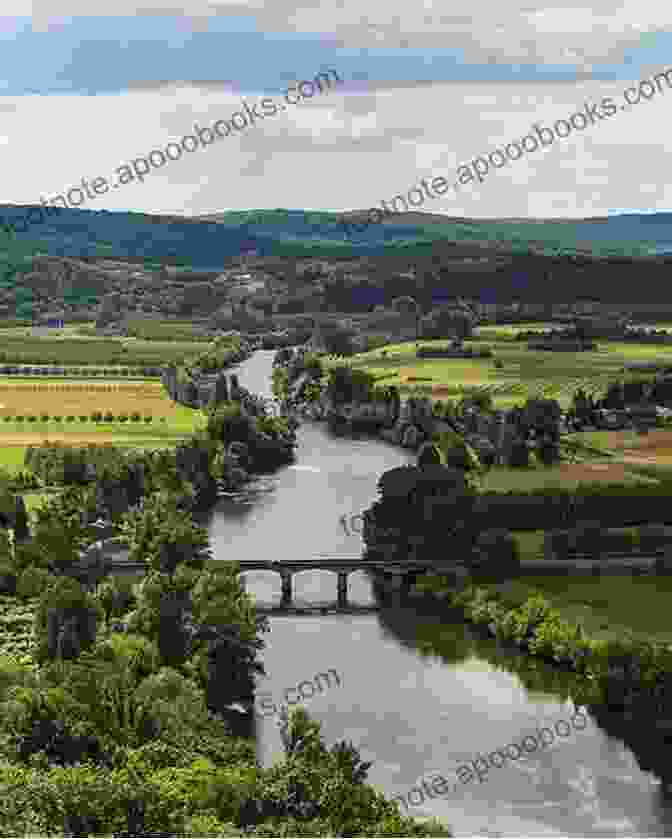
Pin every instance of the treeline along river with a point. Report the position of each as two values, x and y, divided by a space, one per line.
420 693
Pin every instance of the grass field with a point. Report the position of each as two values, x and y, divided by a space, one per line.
509 330
21 346
525 373
138 327
567 475
608 607
630 448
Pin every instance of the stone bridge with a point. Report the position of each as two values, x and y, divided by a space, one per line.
399 574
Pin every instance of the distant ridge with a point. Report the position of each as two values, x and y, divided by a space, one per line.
209 241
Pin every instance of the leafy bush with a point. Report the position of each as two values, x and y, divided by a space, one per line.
70 418
96 416
83 801
31 418
109 416
19 418
135 416
44 417
57 418
123 417
116 596
148 418
7 419
83 418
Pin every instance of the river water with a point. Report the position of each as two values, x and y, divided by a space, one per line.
419 694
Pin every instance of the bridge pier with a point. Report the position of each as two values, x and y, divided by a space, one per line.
342 589
286 578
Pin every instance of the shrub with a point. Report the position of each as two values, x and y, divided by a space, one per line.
83 418
19 418
44 417
31 418
96 416
148 418
70 418
109 416
7 419
123 417
135 416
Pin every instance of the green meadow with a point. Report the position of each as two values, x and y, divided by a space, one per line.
523 373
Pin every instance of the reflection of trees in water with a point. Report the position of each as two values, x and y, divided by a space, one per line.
430 628
421 627
650 743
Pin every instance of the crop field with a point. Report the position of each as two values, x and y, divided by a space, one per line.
54 396
652 449
51 397
21 346
524 373
508 330
566 475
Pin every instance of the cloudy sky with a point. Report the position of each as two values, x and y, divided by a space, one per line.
423 91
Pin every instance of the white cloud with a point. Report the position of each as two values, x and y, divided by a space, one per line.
522 31
343 151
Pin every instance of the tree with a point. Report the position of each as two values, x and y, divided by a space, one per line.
225 638
66 620
163 536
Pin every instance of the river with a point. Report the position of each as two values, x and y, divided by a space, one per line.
419 693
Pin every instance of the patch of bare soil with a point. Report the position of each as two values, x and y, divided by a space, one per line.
594 472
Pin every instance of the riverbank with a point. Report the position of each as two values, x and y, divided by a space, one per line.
609 658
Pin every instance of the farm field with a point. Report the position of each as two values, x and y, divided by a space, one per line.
170 421
22 346
502 479
138 327
525 373
35 396
628 447
508 330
